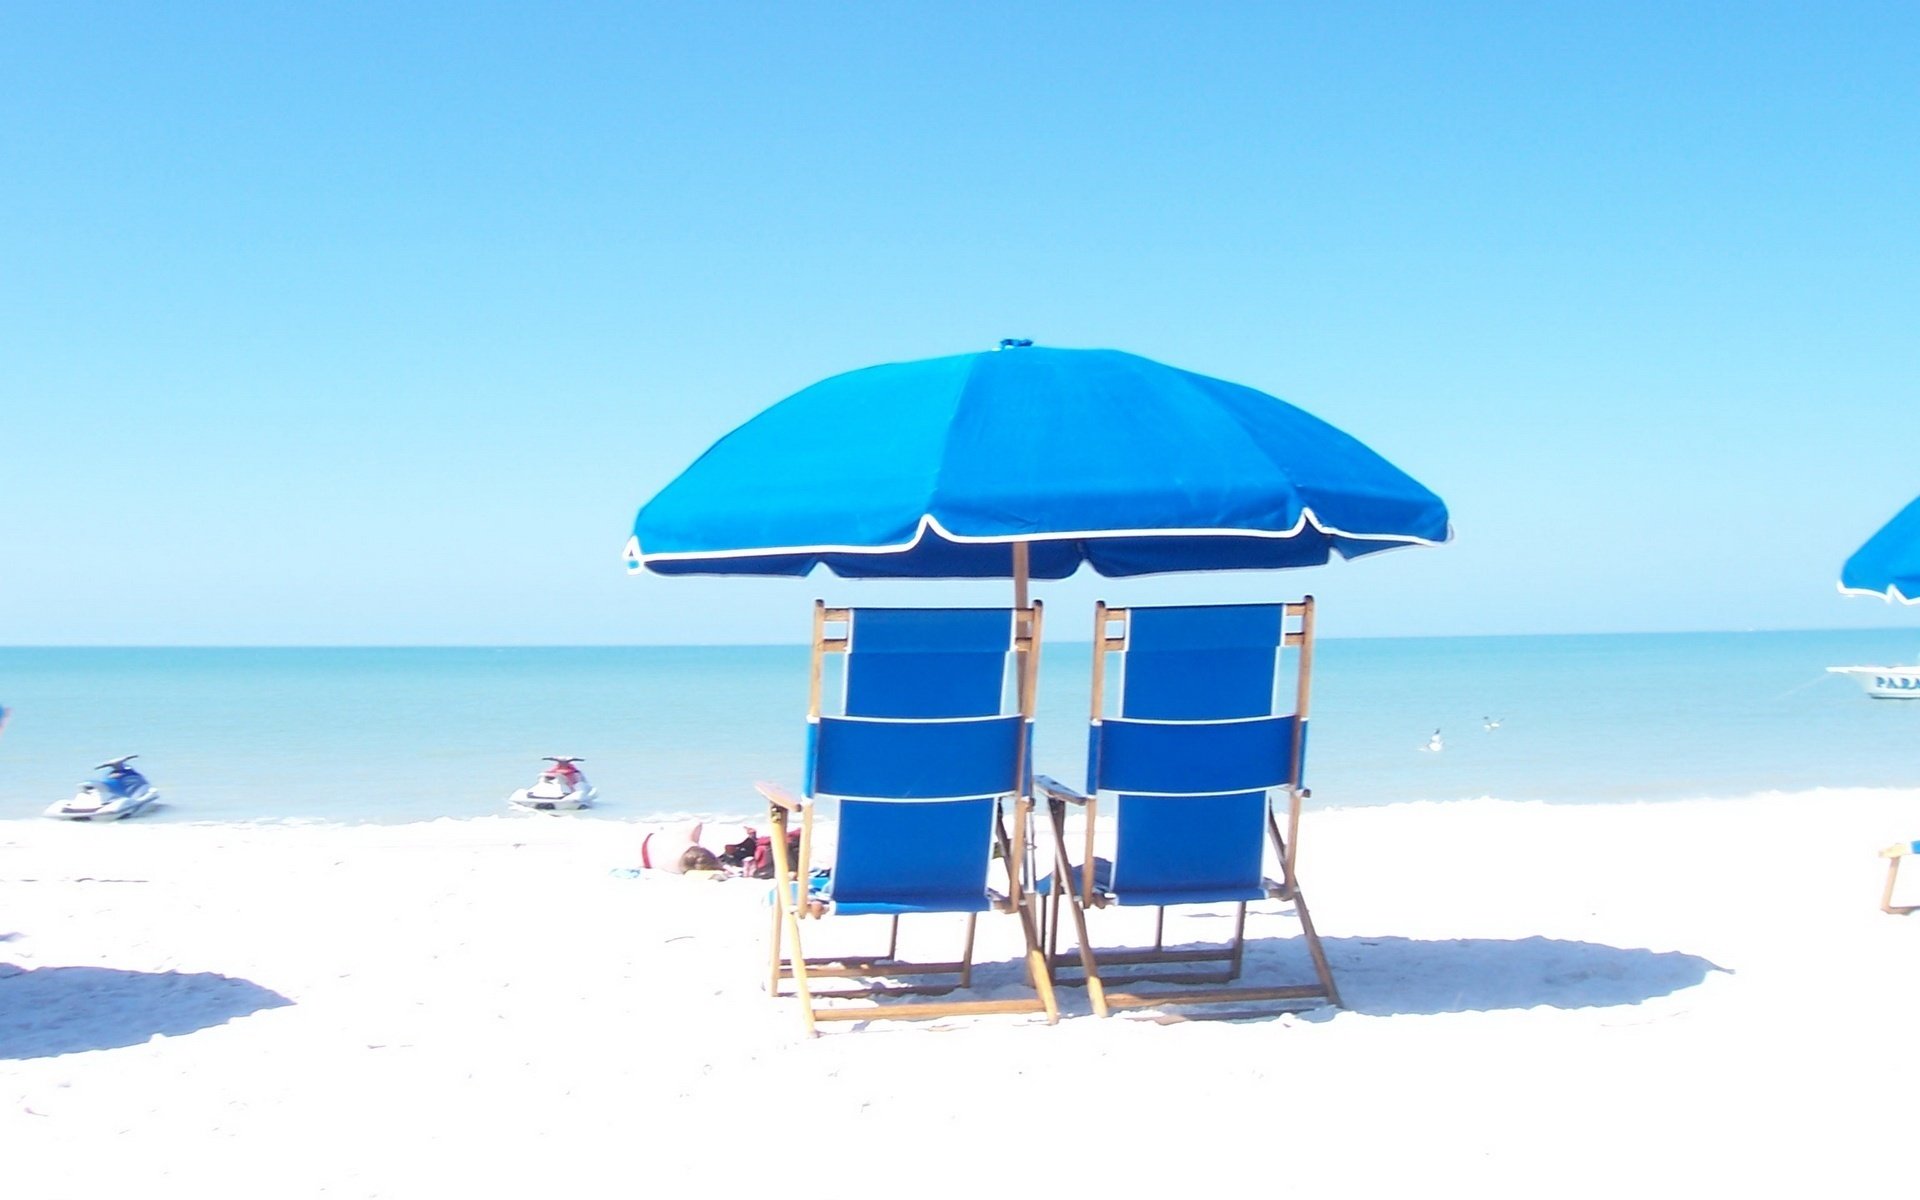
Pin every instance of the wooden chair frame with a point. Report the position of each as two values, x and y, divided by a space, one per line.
794 901
1894 854
1196 986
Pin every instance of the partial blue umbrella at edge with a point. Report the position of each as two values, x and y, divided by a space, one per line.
1889 563
938 468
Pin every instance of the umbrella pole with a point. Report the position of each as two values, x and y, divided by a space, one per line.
1022 668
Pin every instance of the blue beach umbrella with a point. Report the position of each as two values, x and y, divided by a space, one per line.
1029 461
1889 564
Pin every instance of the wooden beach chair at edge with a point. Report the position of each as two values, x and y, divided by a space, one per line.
924 758
1894 854
1197 762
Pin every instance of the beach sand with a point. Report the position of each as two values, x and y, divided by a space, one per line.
1661 998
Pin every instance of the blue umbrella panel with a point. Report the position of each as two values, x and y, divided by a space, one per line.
1889 563
943 468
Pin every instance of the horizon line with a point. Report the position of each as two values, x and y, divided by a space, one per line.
1403 637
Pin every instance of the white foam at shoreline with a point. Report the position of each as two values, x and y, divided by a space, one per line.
758 819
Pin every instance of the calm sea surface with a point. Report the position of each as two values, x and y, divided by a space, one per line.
395 735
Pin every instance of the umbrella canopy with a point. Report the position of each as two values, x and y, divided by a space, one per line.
960 467
1889 564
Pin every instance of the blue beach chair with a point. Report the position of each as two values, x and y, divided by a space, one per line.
1196 760
925 755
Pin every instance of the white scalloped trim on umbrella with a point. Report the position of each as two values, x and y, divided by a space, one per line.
1890 592
637 559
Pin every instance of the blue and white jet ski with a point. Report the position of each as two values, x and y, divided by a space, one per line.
562 787
118 791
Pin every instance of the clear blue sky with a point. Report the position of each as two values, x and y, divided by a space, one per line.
334 323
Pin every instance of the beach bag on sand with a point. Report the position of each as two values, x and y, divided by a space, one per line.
752 855
737 856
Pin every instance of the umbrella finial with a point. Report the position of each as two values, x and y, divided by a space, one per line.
1014 343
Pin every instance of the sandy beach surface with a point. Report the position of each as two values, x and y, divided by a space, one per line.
1658 999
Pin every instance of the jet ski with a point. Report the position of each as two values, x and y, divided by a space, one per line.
118 791
562 786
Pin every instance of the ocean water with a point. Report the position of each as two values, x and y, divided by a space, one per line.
396 735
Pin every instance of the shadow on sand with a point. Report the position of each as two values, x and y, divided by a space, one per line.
1393 976
64 1010
1396 976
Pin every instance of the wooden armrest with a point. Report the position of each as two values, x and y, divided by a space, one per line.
778 795
1053 789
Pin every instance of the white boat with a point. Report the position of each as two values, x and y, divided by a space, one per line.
562 788
1885 683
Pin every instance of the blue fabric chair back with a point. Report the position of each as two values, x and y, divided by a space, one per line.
1201 663
929 856
919 758
887 759
1198 746
927 662
1193 758
1190 849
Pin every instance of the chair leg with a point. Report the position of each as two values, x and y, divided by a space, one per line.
1283 847
1320 964
1239 942
1050 922
1038 971
1886 895
773 939
1089 963
1062 879
800 971
966 956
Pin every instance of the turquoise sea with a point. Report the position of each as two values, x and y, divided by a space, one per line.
395 735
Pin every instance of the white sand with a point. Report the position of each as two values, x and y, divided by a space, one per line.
1664 998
